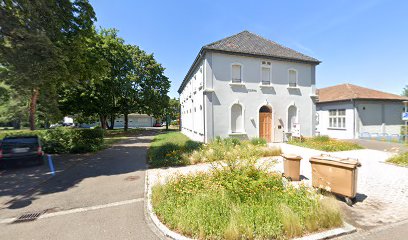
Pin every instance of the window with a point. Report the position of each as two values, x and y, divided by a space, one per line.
337 118
236 118
266 75
236 73
292 117
292 78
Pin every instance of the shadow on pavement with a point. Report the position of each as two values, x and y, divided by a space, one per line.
20 187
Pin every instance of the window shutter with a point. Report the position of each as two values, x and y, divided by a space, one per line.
292 78
266 75
236 73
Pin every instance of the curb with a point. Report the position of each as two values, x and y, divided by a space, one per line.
332 233
160 226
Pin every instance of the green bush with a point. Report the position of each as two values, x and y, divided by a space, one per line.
65 140
400 159
258 141
324 143
243 202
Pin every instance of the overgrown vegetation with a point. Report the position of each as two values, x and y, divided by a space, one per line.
65 140
175 149
241 201
324 143
400 159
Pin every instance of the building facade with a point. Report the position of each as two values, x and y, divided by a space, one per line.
246 86
348 111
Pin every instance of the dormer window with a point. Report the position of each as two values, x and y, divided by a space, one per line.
236 70
293 78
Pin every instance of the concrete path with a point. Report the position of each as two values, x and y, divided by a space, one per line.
100 197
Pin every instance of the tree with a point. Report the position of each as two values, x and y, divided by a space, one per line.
172 111
41 45
102 92
13 107
405 91
145 88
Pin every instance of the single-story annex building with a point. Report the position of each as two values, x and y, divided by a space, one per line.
347 111
247 86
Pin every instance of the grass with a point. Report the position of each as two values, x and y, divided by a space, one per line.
324 143
242 202
401 159
175 149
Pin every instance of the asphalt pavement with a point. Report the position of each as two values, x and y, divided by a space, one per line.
99 196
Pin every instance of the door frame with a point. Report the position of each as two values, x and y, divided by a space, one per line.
272 120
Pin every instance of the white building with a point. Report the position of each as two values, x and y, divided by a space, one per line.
247 86
347 111
135 120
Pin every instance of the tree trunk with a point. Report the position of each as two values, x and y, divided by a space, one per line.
33 107
112 122
126 126
103 121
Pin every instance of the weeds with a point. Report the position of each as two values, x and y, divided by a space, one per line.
324 143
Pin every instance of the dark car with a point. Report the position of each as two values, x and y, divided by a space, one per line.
21 149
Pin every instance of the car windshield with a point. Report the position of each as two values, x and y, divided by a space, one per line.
9 143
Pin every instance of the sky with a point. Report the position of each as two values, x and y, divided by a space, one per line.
359 42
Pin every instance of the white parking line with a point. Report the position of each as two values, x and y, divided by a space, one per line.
78 210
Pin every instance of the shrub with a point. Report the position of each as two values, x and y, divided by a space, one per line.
241 203
258 141
401 159
324 143
66 140
175 149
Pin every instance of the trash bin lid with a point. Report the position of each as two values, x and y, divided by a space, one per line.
291 156
336 161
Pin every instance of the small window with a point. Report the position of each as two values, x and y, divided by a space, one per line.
236 73
337 118
292 78
201 107
266 76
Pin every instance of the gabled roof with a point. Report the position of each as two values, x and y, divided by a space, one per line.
344 92
249 44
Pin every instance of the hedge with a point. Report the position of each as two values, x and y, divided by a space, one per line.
64 140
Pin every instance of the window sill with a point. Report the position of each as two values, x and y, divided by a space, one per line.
333 128
236 84
293 87
265 86
208 90
237 133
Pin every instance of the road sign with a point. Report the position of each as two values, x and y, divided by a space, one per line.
405 116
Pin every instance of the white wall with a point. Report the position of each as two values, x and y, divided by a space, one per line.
192 105
323 127
135 121
251 96
374 117
380 117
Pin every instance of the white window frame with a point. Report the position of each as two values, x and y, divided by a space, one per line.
242 74
264 64
335 119
297 78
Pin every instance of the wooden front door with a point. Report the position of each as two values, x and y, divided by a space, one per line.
265 126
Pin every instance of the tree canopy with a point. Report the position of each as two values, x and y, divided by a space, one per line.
57 63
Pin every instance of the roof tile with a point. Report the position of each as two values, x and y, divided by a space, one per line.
344 92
